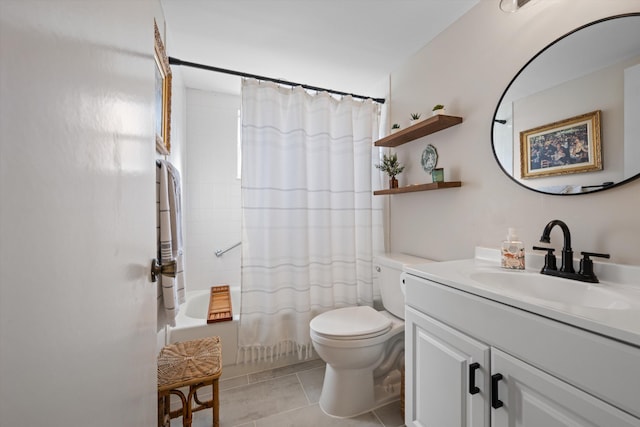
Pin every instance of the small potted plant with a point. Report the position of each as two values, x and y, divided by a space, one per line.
392 167
395 128
438 109
415 118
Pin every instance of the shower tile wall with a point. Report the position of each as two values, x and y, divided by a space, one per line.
212 191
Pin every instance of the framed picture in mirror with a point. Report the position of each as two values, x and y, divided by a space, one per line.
162 100
568 146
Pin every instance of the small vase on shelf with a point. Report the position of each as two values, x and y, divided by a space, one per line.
438 109
392 167
415 118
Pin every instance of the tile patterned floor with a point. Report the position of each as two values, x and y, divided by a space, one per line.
285 397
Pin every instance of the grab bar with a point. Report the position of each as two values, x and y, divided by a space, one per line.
220 252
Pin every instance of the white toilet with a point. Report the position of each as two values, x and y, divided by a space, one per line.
364 348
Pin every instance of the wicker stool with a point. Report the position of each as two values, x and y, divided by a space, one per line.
192 364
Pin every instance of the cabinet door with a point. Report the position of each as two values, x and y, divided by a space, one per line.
533 398
443 366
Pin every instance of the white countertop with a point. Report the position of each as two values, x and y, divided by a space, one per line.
619 324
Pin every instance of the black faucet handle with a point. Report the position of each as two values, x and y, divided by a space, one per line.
586 266
549 259
586 255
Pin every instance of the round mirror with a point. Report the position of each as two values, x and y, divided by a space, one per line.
569 121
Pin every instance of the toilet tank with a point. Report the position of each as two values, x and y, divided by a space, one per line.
387 270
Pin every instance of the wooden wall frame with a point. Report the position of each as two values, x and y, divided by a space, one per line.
567 146
162 103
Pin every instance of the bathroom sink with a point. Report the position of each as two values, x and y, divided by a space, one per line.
538 287
610 308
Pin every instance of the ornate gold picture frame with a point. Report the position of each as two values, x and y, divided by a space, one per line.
162 96
567 146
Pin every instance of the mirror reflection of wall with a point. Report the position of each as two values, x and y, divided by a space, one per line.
631 119
594 68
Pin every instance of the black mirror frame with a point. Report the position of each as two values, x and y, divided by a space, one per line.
493 123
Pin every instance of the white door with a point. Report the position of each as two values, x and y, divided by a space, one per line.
533 398
446 375
77 213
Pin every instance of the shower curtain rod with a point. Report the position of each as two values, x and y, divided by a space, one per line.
176 61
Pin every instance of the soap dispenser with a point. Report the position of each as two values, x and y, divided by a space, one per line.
513 251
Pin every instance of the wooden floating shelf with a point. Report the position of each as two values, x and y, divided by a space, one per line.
419 187
426 127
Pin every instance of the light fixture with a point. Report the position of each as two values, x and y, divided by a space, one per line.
511 6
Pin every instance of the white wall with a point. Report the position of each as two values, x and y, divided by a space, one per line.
631 114
178 155
178 131
467 67
213 214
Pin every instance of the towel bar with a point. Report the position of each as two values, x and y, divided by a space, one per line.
220 252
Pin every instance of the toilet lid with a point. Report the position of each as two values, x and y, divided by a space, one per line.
351 323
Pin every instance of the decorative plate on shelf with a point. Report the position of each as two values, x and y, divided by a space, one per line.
429 158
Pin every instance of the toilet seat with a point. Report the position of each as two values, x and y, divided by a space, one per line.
351 323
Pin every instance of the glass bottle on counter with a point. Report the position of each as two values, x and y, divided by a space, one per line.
513 251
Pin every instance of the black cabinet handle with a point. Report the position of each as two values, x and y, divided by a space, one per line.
472 378
495 402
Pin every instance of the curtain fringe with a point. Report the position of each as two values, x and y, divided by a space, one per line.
263 353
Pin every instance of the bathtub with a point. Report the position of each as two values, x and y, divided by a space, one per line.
191 323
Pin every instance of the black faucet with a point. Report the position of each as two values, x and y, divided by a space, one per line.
567 252
566 269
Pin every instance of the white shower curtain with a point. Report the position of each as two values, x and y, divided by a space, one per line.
311 225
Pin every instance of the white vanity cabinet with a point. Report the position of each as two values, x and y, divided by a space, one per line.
530 371
449 379
530 397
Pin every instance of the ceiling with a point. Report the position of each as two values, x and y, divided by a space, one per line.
345 45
